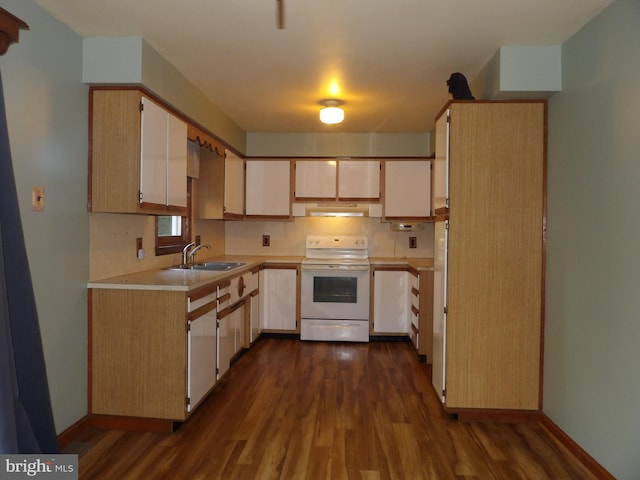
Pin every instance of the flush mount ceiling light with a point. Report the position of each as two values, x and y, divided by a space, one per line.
331 113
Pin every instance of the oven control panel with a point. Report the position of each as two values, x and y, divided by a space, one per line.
337 241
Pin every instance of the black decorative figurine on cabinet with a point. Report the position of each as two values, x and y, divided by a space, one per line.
459 88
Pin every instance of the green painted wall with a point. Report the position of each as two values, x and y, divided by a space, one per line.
592 341
47 112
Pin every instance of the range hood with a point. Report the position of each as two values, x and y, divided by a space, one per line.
332 209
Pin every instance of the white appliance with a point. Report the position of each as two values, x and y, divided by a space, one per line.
335 289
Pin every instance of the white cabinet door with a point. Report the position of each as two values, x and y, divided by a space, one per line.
226 342
440 193
316 179
233 184
439 308
255 322
359 179
176 161
391 301
268 187
201 344
153 153
278 294
407 192
238 327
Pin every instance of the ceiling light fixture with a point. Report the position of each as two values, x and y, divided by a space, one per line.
331 113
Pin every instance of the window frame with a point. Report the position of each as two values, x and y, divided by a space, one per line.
166 245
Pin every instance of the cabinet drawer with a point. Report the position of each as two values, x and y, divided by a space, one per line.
224 295
195 303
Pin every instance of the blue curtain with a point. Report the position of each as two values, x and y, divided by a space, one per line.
26 418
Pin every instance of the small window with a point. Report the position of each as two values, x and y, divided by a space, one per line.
173 232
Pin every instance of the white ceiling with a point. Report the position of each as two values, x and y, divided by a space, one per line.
390 59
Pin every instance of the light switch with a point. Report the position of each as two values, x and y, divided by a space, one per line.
37 199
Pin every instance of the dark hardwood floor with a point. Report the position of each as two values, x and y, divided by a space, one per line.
304 410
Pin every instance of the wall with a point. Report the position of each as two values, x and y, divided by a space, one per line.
47 112
105 63
592 354
339 144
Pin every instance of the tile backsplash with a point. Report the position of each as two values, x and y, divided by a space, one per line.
288 238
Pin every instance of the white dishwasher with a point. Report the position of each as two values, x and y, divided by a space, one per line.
201 348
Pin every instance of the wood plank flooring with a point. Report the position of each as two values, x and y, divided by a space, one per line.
304 410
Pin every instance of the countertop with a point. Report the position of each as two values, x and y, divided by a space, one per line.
187 280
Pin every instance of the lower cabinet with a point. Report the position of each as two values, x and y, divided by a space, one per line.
279 293
156 354
391 301
139 353
226 341
202 355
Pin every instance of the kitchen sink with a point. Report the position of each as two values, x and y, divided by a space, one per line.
211 266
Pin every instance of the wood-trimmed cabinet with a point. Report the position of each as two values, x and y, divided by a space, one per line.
156 354
220 191
407 190
268 188
337 180
280 298
489 246
138 154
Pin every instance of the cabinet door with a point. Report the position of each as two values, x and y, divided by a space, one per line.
407 189
255 322
279 299
201 368
226 342
391 301
233 185
268 188
153 154
238 327
440 194
316 179
176 161
359 179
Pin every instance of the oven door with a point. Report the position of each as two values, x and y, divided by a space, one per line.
335 292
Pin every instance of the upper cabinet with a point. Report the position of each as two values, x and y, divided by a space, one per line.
333 180
138 159
407 189
315 179
359 179
268 188
163 157
234 199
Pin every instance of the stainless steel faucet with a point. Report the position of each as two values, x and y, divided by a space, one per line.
185 252
195 250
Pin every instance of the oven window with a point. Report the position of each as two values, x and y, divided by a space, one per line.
335 289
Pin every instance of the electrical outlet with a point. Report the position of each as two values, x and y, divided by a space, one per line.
266 240
413 242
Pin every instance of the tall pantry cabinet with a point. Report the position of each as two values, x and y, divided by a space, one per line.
488 194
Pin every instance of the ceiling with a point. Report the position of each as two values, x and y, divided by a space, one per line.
388 60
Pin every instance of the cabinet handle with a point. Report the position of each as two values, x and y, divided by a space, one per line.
241 286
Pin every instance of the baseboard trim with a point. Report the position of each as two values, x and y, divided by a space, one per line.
136 424
66 437
494 415
576 450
